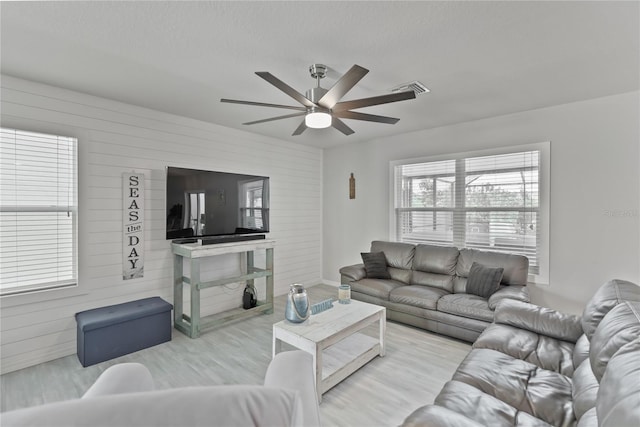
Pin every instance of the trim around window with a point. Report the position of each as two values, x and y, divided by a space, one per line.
441 198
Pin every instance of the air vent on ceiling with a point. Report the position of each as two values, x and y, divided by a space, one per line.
417 87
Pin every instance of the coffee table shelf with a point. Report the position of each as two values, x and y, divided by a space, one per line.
347 356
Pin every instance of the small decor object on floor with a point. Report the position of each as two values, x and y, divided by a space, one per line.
344 294
249 297
321 306
297 309
352 186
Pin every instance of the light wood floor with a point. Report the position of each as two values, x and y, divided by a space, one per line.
382 393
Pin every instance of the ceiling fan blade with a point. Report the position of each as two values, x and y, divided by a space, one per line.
342 86
262 104
285 88
375 100
275 118
300 129
368 117
339 124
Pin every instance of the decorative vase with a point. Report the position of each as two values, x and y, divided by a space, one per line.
344 294
297 309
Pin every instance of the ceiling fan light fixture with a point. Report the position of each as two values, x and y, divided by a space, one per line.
317 120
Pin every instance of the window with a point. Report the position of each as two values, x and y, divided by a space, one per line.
38 211
494 202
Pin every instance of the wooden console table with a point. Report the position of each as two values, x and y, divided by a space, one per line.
192 325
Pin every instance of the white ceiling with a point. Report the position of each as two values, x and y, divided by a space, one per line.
480 59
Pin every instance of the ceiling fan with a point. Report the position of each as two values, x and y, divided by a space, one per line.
322 108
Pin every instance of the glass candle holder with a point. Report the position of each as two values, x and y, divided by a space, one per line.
344 294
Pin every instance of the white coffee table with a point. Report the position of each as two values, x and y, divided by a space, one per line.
332 338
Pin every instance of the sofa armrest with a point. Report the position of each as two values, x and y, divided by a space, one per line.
121 378
515 292
541 320
294 370
437 416
352 273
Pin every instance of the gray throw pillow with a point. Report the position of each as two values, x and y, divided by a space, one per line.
375 264
483 281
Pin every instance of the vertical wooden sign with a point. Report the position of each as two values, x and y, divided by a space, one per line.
352 186
133 225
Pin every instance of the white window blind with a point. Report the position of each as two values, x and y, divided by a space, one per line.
38 211
487 202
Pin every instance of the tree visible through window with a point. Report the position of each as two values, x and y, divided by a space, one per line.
485 202
38 211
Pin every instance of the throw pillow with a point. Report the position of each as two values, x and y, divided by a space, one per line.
483 281
375 264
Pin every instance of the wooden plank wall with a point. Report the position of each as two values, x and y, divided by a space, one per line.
116 138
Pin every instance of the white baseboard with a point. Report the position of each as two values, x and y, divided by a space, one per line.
331 283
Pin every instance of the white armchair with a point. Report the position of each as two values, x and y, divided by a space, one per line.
124 395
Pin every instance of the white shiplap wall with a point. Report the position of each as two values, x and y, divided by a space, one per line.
116 138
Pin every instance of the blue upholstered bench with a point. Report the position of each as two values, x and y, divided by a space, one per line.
108 332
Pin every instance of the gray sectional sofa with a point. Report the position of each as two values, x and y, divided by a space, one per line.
538 367
427 286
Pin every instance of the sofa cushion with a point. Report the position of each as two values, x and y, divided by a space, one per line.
473 403
483 281
399 255
466 305
481 408
378 288
589 419
619 327
540 350
516 267
436 280
581 350
439 321
432 415
400 275
585 389
542 320
539 392
619 394
608 296
436 259
416 295
375 264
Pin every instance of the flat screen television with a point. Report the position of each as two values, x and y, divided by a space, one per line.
203 203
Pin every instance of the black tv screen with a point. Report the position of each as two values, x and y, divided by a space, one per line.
204 203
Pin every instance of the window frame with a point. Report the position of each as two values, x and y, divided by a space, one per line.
542 276
62 289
